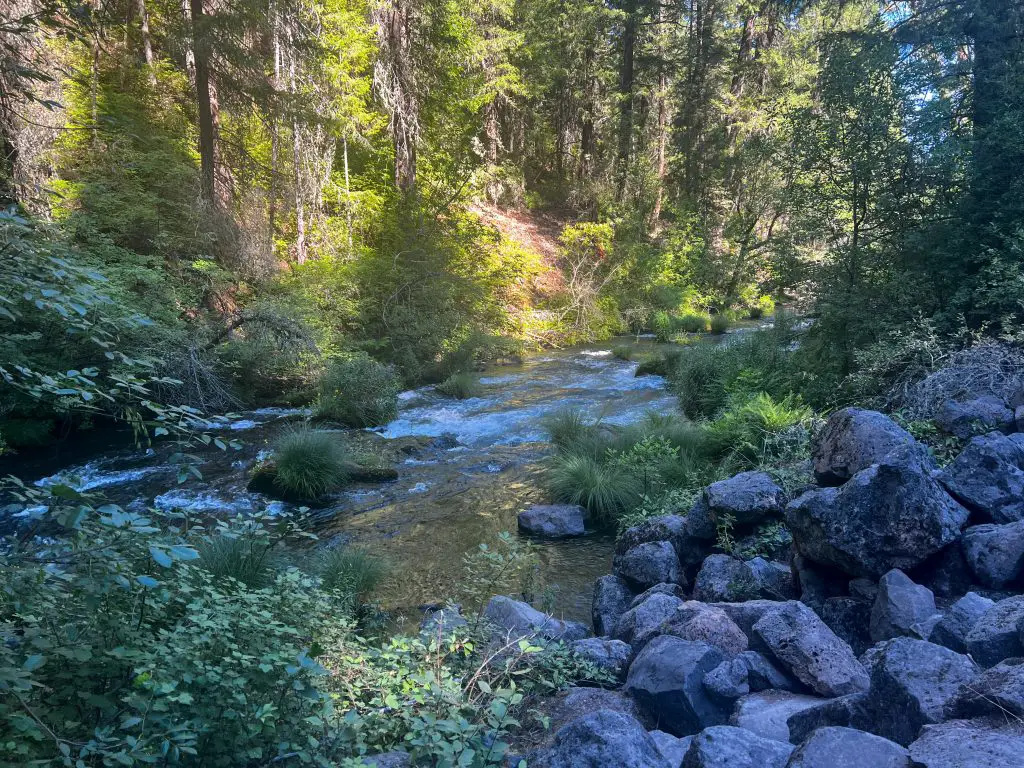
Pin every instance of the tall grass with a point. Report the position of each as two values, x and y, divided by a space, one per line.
604 489
694 322
248 559
352 572
460 386
719 323
309 462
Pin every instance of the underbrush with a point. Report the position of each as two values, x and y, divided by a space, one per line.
460 386
358 391
309 463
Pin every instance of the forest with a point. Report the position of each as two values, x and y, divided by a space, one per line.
213 207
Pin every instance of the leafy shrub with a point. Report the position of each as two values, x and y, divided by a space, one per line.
622 352
744 430
352 573
692 322
606 490
358 391
309 462
699 379
719 323
662 326
461 386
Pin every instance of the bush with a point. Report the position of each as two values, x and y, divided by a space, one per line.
352 573
719 323
745 429
460 386
358 391
663 326
622 352
309 463
605 490
245 558
693 322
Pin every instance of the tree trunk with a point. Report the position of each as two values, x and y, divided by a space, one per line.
300 202
204 101
626 78
147 42
394 78
662 138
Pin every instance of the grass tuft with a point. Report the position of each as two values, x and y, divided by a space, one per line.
309 463
248 559
461 386
605 490
352 572
622 352
719 324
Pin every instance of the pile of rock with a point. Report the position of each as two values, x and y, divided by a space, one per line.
887 637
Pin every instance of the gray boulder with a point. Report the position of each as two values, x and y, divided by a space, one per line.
747 498
553 521
911 683
443 622
750 672
690 536
647 564
698 621
598 740
774 580
746 615
997 634
999 691
517 619
612 597
890 515
675 590
672 748
605 653
574 703
988 477
954 626
767 713
990 743
900 605
850 619
848 748
843 711
995 553
963 419
666 679
853 439
641 623
726 747
725 579
664 528
810 650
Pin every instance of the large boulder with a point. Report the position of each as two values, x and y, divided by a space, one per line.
998 691
988 478
965 418
646 620
574 703
911 683
810 650
725 579
746 498
694 620
749 672
513 618
843 711
666 679
899 605
553 521
767 713
647 564
995 553
997 635
838 747
609 655
672 748
853 439
890 515
952 630
774 580
726 747
983 743
598 740
612 597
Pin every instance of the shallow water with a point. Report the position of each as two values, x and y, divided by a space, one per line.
448 498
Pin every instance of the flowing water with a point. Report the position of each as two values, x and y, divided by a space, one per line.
466 468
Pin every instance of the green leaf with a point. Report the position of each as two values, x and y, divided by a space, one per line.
161 557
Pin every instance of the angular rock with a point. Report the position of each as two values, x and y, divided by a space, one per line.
849 748
915 679
999 691
988 477
850 619
774 580
612 597
995 553
727 747
725 579
666 679
672 748
443 622
810 650
643 566
747 498
750 672
969 744
900 605
574 703
640 624
610 655
659 589
664 528
698 621
853 439
518 619
890 515
746 615
953 628
767 713
844 711
945 573
600 739
997 634
553 521
963 419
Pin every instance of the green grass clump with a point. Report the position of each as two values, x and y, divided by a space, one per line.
248 559
746 429
622 352
694 322
358 391
663 326
460 386
719 324
352 572
309 463
604 489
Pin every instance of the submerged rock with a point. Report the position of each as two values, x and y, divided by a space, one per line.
553 521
